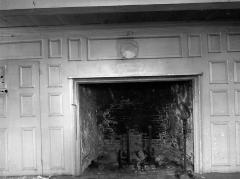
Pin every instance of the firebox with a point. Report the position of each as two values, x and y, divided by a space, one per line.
136 126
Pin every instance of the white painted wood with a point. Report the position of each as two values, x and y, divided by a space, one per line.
214 43
236 71
148 47
220 143
21 49
219 102
218 115
55 104
26 76
28 4
218 71
3 105
56 136
29 148
23 122
75 49
54 75
55 48
27 105
3 149
194 45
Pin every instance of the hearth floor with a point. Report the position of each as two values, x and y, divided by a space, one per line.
133 176
156 176
129 174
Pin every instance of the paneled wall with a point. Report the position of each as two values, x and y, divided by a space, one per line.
37 128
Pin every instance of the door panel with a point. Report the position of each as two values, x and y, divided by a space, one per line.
20 137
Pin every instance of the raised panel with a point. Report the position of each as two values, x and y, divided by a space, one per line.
218 71
233 42
148 47
3 149
55 104
194 46
238 142
29 149
220 143
26 76
21 49
237 101
54 76
55 48
2 76
219 102
27 108
56 148
237 71
214 43
3 105
74 49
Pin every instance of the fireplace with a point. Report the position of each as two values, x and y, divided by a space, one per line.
136 126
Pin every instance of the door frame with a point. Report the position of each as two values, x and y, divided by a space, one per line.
197 111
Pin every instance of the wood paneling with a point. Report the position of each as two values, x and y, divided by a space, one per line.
218 71
148 47
219 102
74 49
29 149
237 71
214 43
27 106
55 104
233 42
56 148
3 149
55 48
21 49
3 105
238 143
26 76
220 143
162 51
194 45
54 75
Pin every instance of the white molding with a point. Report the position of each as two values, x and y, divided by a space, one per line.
50 55
198 148
61 167
135 37
225 123
59 84
211 101
23 57
5 133
33 105
80 48
228 42
60 96
209 42
21 79
33 130
189 45
211 72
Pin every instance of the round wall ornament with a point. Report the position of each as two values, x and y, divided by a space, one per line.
128 48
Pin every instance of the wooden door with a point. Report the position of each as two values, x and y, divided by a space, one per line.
20 135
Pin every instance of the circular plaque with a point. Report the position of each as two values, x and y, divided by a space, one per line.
129 49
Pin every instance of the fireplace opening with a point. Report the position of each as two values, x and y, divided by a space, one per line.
136 126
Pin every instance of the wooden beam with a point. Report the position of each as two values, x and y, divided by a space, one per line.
45 4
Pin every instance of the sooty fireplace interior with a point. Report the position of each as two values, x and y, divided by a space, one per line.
136 126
